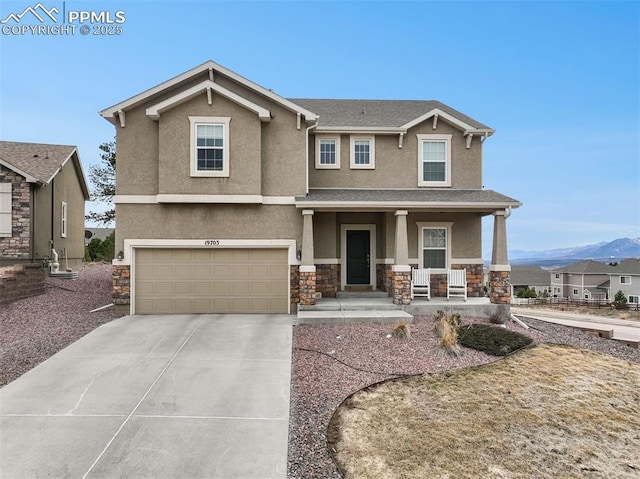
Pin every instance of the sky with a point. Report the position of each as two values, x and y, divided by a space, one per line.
558 81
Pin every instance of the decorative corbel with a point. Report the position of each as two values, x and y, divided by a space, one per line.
400 140
211 74
435 121
298 120
209 96
121 118
469 138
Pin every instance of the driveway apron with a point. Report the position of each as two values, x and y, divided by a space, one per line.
197 396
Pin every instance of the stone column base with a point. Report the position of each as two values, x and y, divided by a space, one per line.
307 282
121 284
401 285
500 287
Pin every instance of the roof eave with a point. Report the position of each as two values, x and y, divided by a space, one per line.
24 174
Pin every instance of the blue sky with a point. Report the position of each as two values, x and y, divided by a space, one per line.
559 81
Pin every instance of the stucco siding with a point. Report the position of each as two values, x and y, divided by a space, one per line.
398 167
176 221
466 233
631 288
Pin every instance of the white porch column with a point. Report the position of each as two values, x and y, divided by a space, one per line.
307 238
402 244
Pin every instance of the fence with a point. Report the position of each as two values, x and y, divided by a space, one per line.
568 303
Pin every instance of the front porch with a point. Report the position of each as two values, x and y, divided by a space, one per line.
378 307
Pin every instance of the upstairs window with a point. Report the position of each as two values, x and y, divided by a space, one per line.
210 146
328 152
5 210
625 279
434 160
362 152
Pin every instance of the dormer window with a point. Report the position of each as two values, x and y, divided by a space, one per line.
327 152
209 146
363 152
434 160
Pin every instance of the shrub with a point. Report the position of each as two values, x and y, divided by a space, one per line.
499 315
526 293
491 340
447 330
401 331
620 300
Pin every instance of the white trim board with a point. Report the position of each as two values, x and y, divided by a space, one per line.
213 199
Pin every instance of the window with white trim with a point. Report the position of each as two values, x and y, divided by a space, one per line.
327 152
557 275
625 279
363 155
435 245
575 291
5 210
209 146
63 220
434 160
633 299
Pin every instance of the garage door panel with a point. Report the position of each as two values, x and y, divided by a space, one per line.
211 280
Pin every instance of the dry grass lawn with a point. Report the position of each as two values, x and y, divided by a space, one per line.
549 411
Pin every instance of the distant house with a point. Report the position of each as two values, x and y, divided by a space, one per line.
42 196
96 233
587 279
533 277
626 278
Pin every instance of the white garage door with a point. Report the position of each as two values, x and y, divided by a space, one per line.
173 281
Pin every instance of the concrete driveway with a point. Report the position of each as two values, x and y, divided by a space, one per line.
192 396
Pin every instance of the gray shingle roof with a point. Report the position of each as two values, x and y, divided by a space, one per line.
628 266
529 276
39 160
376 113
587 266
408 196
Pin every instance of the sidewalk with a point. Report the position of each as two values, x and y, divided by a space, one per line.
623 329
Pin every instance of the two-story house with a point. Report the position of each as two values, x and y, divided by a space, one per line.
586 279
626 278
231 198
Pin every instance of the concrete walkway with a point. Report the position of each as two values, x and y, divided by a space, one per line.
623 329
155 397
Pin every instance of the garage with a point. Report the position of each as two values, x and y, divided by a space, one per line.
226 280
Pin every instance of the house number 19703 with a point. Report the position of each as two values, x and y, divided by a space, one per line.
212 242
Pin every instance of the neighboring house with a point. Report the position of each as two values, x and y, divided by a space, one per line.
626 278
532 277
96 233
42 195
587 279
231 198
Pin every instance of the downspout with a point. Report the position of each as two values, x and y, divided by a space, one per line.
32 226
306 154
53 196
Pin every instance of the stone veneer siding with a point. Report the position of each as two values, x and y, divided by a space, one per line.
20 282
294 284
401 287
17 246
475 278
500 287
121 284
328 279
307 284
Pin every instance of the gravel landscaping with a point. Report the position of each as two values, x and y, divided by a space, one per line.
36 328
331 362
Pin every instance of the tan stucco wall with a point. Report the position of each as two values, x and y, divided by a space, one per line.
191 221
245 167
325 235
466 232
266 158
66 186
398 167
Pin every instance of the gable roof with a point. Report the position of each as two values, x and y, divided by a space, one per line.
587 266
210 67
628 266
401 114
40 162
529 275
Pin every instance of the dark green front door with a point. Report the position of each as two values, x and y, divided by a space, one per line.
358 261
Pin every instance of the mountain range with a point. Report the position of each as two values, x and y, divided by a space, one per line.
615 250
